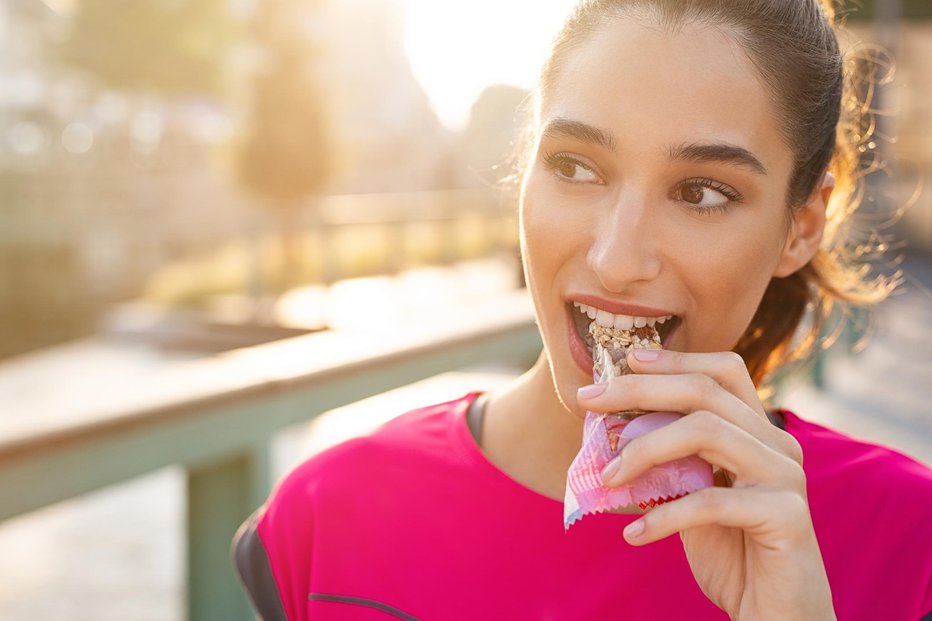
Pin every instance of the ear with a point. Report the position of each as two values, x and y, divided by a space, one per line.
806 228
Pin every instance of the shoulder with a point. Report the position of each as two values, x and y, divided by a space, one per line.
835 456
871 506
851 482
410 440
346 489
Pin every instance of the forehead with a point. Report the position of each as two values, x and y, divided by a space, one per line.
652 88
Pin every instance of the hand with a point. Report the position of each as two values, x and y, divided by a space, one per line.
749 540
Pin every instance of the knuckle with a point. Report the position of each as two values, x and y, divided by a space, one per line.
615 385
706 423
796 476
629 386
787 445
639 453
713 499
677 359
793 505
785 476
633 453
734 363
704 385
794 449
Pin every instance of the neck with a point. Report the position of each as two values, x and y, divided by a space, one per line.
530 435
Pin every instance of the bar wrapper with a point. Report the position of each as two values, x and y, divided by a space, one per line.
605 436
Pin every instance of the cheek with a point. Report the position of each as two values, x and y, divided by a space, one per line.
537 243
728 279
737 276
549 231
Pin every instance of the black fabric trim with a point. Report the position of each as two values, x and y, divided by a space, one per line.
251 562
474 416
927 616
777 419
360 601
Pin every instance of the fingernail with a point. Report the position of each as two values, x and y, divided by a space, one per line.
646 355
634 529
611 469
590 391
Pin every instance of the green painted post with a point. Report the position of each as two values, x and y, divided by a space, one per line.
221 495
817 374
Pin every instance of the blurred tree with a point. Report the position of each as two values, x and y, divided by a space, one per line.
148 50
163 47
489 138
43 297
859 10
286 157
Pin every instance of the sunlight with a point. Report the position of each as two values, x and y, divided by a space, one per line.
458 49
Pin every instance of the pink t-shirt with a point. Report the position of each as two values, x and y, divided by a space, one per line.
414 522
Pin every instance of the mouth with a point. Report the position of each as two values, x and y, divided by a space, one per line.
582 316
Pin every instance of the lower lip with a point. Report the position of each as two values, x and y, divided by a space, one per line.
578 347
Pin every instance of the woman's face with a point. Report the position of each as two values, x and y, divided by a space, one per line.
656 187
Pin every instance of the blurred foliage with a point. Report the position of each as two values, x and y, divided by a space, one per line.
152 46
491 138
858 10
44 298
153 49
286 155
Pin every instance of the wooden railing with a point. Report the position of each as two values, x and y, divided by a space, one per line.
217 417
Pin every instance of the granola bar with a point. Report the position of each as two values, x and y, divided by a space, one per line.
610 352
605 436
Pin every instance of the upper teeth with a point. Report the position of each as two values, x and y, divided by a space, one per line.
620 322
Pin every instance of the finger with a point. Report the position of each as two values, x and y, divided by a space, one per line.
713 439
758 511
726 368
683 393
679 393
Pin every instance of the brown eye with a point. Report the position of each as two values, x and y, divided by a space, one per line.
705 195
692 194
567 168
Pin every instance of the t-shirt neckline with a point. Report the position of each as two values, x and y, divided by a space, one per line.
481 460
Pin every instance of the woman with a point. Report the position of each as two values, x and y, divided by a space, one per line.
690 160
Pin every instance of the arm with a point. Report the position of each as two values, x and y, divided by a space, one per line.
251 562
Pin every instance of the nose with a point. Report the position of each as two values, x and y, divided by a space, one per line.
625 247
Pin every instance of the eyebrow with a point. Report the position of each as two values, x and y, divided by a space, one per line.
581 131
717 152
692 152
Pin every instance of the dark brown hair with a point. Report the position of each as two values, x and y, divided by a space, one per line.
826 122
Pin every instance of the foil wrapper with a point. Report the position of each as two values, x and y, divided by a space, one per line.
605 436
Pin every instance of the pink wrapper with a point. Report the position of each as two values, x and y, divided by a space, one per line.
585 492
604 437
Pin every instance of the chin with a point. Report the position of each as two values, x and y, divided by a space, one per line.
564 380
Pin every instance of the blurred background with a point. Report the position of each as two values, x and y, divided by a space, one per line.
182 180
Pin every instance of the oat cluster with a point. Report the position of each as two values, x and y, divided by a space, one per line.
613 338
611 347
